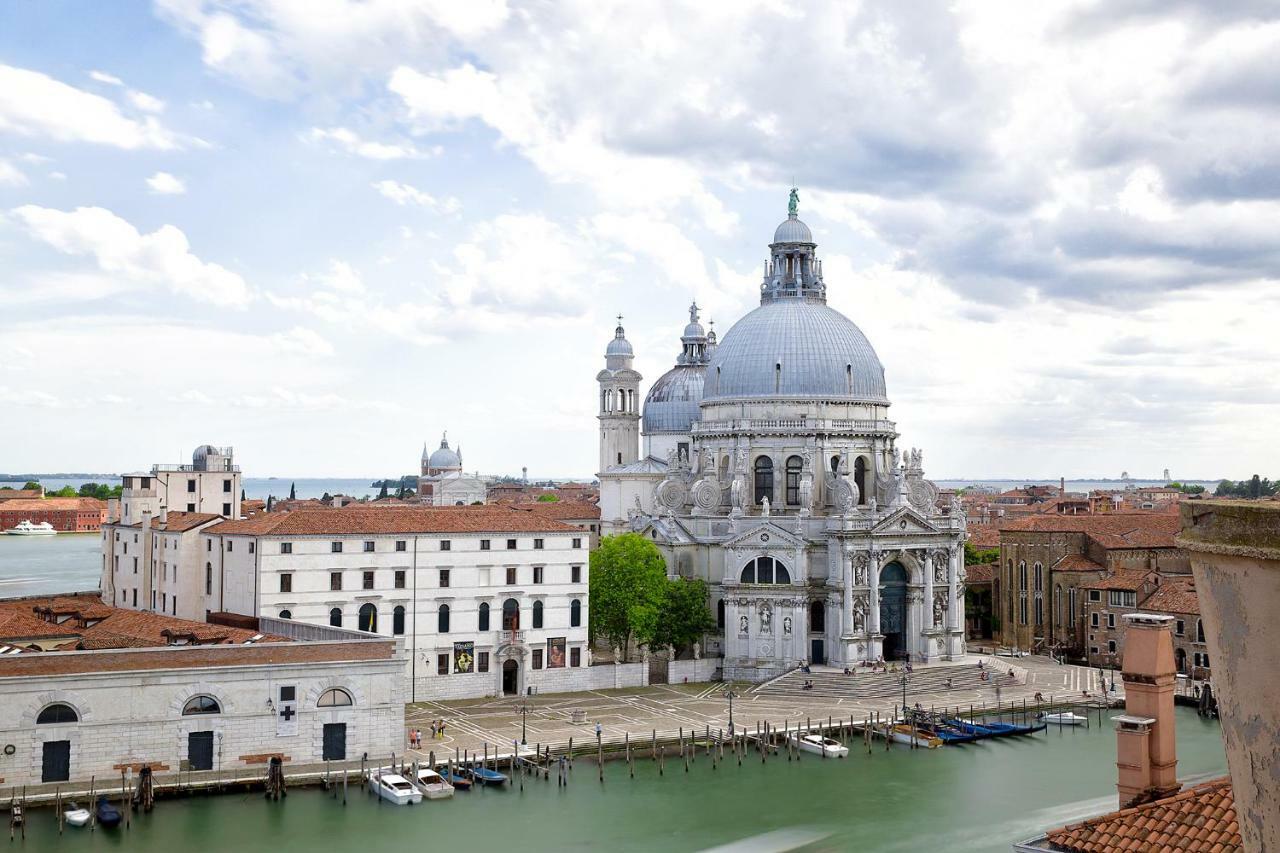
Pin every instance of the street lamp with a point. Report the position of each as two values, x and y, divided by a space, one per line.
729 694
904 694
524 710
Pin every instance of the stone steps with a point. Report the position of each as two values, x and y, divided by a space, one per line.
830 684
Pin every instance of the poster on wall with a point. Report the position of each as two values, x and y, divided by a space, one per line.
464 656
555 652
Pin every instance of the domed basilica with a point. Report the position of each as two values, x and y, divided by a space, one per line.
771 470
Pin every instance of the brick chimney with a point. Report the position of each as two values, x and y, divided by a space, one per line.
1146 750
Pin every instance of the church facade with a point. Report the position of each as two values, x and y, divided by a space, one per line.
772 471
443 482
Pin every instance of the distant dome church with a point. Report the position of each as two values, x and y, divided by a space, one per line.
771 470
442 481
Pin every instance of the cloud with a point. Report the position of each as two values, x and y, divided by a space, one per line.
163 183
160 259
146 103
350 142
404 194
302 341
35 104
10 175
104 77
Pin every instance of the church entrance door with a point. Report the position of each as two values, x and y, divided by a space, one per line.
510 678
893 610
817 654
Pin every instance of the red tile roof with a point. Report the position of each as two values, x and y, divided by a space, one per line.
1112 530
561 510
188 657
1077 563
365 520
984 536
178 522
1174 596
61 504
19 494
16 625
1119 580
1198 820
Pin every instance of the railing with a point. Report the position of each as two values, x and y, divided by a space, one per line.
793 424
513 638
192 469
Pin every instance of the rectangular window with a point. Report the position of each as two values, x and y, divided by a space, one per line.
442 664
135 598
191 507
286 547
537 658
251 547
335 547
229 544
446 545
208 546
368 580
226 485
1095 595
135 565
1111 647
537 544
1093 620
368 547
1093 650
401 545
191 486
226 510
577 543
1111 620
444 577
484 544
482 662
400 574
511 575
537 574
575 574
208 579
1122 598
288 693
286 582
335 580
511 544
1180 628
575 656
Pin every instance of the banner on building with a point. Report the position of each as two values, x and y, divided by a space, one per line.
464 656
555 652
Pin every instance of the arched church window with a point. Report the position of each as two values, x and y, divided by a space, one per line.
765 570
764 479
835 464
860 477
794 464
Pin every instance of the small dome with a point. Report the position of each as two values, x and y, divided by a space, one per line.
672 403
444 457
694 330
792 230
619 345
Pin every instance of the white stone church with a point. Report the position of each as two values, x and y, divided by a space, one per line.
771 470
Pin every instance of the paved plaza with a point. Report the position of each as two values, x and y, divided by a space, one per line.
475 725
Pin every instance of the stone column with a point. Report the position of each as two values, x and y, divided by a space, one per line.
846 611
873 618
928 591
953 583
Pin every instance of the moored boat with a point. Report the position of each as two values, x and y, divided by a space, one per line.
394 788
904 733
457 780
819 745
26 528
1065 718
485 776
432 784
978 731
76 816
108 815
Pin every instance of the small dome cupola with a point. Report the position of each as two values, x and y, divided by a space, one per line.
793 269
693 341
445 458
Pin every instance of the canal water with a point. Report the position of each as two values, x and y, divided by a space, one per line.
979 798
46 565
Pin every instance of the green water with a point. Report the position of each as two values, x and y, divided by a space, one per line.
980 797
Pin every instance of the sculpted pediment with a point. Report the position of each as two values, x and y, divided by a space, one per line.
904 521
765 535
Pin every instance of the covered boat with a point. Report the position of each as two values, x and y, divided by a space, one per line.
108 815
394 788
819 745
432 784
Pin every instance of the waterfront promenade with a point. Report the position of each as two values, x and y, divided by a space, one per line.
493 724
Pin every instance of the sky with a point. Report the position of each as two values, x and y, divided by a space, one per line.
326 231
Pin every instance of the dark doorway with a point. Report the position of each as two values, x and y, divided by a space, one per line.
56 766
893 610
510 678
200 750
817 617
817 653
335 742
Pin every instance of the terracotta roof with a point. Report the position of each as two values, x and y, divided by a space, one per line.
984 536
19 494
1174 596
1077 563
1119 580
177 522
364 520
63 504
1112 530
561 510
15 625
980 573
1198 820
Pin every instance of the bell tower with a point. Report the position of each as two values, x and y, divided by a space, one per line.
619 403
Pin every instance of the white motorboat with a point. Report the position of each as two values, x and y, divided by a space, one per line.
432 784
394 788
819 745
904 733
1066 718
76 816
26 528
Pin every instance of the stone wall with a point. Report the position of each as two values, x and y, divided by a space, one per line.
703 669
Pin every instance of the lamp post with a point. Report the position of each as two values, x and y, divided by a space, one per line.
524 710
729 694
904 694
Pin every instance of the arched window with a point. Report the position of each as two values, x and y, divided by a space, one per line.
817 617
764 479
1057 604
537 614
860 478
511 615
397 620
765 570
575 613
1199 631
794 464
368 618
1039 594
442 619
720 614
335 617
835 464
334 697
286 614
483 623
58 712
201 705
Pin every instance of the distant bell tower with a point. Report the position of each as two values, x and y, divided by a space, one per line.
619 404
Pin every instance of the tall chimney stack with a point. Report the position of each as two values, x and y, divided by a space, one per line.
1146 749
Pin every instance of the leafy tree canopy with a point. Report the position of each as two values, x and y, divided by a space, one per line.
628 590
1255 487
548 499
684 616
978 556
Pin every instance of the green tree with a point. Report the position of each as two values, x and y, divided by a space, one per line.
548 499
975 556
684 616
628 589
293 492
1255 487
64 492
383 492
31 486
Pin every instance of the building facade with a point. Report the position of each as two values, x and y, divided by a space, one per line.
443 483
1108 600
155 564
210 484
66 515
773 473
490 600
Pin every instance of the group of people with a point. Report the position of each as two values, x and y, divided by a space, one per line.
415 734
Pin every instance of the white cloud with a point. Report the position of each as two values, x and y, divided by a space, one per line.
35 104
163 183
404 194
146 103
161 258
10 175
342 277
300 341
104 77
352 143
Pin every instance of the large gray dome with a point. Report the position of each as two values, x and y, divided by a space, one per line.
444 457
672 402
795 348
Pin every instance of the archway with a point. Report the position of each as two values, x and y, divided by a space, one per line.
510 678
1180 659
893 610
